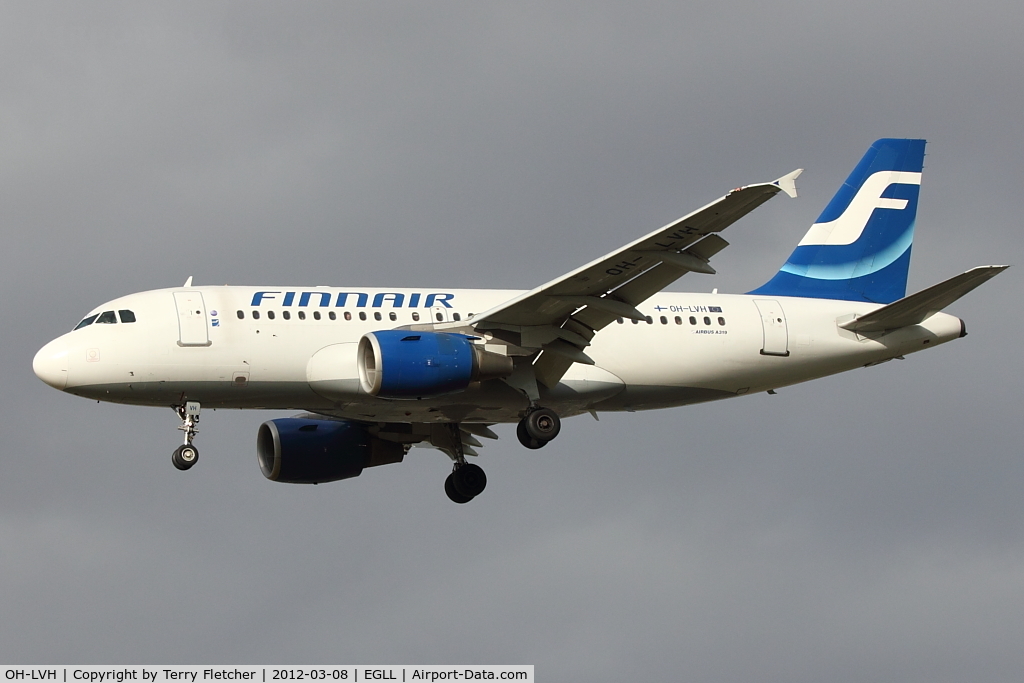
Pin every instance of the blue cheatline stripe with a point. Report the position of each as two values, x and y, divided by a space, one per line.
872 263
881 287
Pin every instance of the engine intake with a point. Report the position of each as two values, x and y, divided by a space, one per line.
307 451
404 364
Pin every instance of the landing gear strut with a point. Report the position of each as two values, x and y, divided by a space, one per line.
466 481
538 427
187 455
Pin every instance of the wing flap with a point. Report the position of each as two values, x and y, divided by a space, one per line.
708 247
918 307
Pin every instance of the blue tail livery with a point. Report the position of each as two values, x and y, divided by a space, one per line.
859 248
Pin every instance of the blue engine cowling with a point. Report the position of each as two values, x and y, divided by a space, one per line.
308 451
406 364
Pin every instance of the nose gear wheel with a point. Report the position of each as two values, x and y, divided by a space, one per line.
185 456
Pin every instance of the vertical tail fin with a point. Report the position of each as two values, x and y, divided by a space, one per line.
859 248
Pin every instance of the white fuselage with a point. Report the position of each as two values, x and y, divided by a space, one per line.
206 344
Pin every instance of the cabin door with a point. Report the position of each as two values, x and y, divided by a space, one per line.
192 322
773 324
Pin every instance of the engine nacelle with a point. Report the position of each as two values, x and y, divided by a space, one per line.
307 451
405 364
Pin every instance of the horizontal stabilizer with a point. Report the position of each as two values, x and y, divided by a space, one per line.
917 308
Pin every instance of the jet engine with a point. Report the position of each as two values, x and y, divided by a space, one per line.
298 450
404 364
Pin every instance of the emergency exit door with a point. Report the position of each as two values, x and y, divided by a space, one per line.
439 314
191 319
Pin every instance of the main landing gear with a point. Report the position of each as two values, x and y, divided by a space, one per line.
466 481
538 427
187 455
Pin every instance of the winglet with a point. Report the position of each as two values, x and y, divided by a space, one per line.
188 282
787 183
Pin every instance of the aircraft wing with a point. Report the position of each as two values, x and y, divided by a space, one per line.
562 316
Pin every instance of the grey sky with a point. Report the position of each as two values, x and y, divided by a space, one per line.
862 527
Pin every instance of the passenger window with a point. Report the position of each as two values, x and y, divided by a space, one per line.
664 320
693 321
106 317
679 321
241 315
302 315
635 321
255 315
348 316
721 321
618 320
270 315
376 315
415 315
126 316
332 316
316 315
439 317
362 315
392 316
286 315
456 317
88 321
707 320
650 320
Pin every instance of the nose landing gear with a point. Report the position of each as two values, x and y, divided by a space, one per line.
187 455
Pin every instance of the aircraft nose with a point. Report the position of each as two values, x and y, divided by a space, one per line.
51 364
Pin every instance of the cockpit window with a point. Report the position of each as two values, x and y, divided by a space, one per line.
106 317
126 316
88 321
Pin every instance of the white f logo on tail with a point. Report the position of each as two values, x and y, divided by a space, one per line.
847 228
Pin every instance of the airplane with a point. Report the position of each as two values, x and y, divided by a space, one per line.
377 371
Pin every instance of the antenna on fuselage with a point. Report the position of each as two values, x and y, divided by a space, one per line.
188 282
